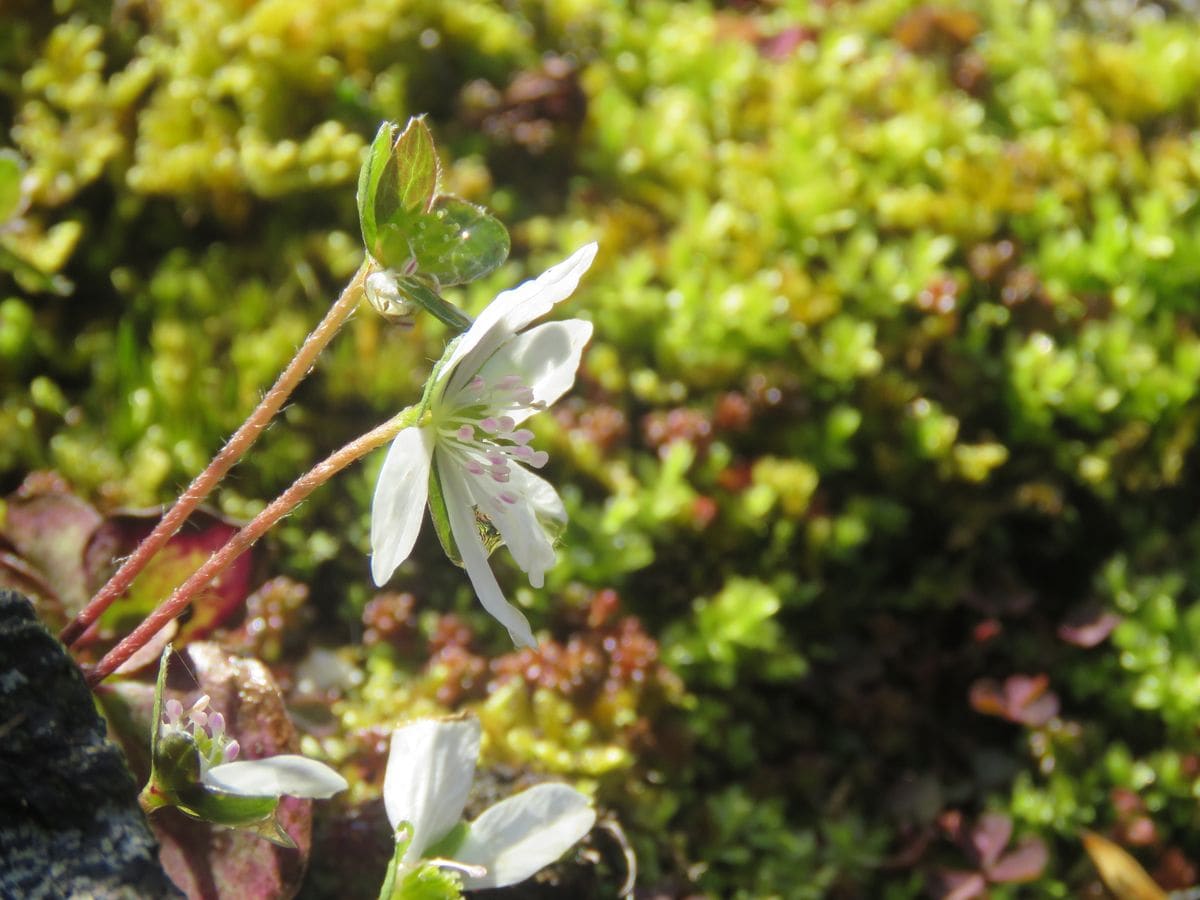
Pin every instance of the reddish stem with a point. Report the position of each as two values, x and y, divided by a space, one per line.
241 542
203 484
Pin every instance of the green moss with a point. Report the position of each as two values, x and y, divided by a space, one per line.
895 363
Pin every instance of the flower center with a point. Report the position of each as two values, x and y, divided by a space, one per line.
482 435
207 730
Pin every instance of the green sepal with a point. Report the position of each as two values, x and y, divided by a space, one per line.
403 837
153 796
427 882
449 844
489 536
440 517
160 685
422 881
254 814
435 376
397 182
417 290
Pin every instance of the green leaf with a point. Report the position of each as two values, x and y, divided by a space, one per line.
458 242
12 171
396 183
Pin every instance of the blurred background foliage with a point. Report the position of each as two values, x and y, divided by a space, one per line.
882 465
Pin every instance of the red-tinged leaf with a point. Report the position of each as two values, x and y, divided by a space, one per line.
987 697
20 575
953 824
1021 690
990 836
912 849
202 534
956 885
206 862
1088 625
779 47
987 630
1175 871
1139 831
1024 863
1023 699
1038 712
50 529
150 652
1126 802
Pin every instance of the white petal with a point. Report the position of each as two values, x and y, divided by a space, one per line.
513 310
459 507
539 493
520 523
399 503
297 776
545 357
429 770
525 833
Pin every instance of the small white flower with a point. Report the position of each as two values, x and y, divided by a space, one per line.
469 454
273 776
429 772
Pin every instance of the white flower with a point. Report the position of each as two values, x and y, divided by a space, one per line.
468 456
429 772
273 776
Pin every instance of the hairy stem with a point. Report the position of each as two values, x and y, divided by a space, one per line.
241 542
241 441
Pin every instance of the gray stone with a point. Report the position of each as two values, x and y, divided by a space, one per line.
70 825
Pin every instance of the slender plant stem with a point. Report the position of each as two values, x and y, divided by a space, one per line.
241 542
241 441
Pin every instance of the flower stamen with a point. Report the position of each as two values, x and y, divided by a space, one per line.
485 437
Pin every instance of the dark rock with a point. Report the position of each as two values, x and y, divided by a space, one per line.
70 825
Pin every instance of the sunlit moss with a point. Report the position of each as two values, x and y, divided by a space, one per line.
894 324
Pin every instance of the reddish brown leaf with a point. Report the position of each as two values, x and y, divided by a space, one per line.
203 534
19 575
778 47
957 885
50 530
989 837
1025 863
1023 699
1088 625
1174 871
